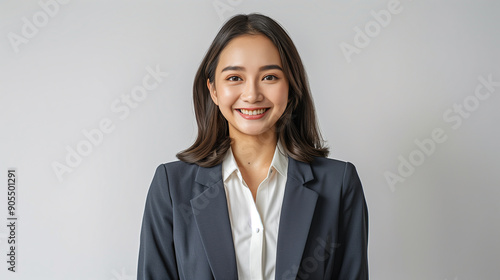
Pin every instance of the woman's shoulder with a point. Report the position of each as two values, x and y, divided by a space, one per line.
177 166
334 167
337 172
331 163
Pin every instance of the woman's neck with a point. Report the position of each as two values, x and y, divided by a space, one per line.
254 152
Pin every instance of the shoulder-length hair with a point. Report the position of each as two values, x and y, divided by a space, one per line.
296 129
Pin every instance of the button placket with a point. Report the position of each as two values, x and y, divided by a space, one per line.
257 238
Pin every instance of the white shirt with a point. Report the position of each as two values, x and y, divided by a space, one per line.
254 225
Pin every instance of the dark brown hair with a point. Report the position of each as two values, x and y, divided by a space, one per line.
297 128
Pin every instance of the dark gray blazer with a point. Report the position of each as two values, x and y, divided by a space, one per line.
323 229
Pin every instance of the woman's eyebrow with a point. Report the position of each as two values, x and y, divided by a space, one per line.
262 68
269 67
233 68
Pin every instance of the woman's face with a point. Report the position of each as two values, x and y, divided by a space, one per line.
250 86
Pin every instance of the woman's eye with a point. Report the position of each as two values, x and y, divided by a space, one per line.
234 79
270 78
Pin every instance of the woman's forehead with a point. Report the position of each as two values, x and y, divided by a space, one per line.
249 51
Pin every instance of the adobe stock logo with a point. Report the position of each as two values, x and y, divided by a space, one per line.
122 275
122 107
225 6
428 146
39 20
323 251
363 38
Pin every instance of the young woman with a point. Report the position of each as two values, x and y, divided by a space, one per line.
255 196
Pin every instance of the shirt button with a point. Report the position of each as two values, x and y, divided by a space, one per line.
257 230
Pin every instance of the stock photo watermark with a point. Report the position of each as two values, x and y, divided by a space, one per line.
373 28
122 108
32 26
12 223
122 275
199 202
323 251
221 7
454 116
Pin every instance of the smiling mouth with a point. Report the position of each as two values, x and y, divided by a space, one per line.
253 112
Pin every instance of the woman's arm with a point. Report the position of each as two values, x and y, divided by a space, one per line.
353 236
156 253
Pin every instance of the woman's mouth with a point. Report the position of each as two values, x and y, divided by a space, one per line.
252 114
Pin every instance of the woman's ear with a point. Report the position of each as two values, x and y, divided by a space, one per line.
213 93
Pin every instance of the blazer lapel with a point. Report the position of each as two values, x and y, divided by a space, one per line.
297 212
212 218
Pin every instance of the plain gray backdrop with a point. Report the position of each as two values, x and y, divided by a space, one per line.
95 94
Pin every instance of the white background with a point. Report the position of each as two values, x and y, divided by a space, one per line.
441 222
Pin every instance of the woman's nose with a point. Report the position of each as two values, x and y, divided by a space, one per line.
252 92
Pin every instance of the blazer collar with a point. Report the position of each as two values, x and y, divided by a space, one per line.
297 212
208 176
212 218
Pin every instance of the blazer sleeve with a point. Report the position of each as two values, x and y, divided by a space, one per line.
353 237
156 252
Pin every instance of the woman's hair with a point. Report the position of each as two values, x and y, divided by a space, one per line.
297 128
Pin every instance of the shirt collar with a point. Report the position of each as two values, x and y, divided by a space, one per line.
279 162
228 164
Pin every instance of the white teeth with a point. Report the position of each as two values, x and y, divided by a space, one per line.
253 112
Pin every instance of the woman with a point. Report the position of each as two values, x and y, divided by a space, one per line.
255 196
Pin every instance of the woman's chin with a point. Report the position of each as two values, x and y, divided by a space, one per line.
253 132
